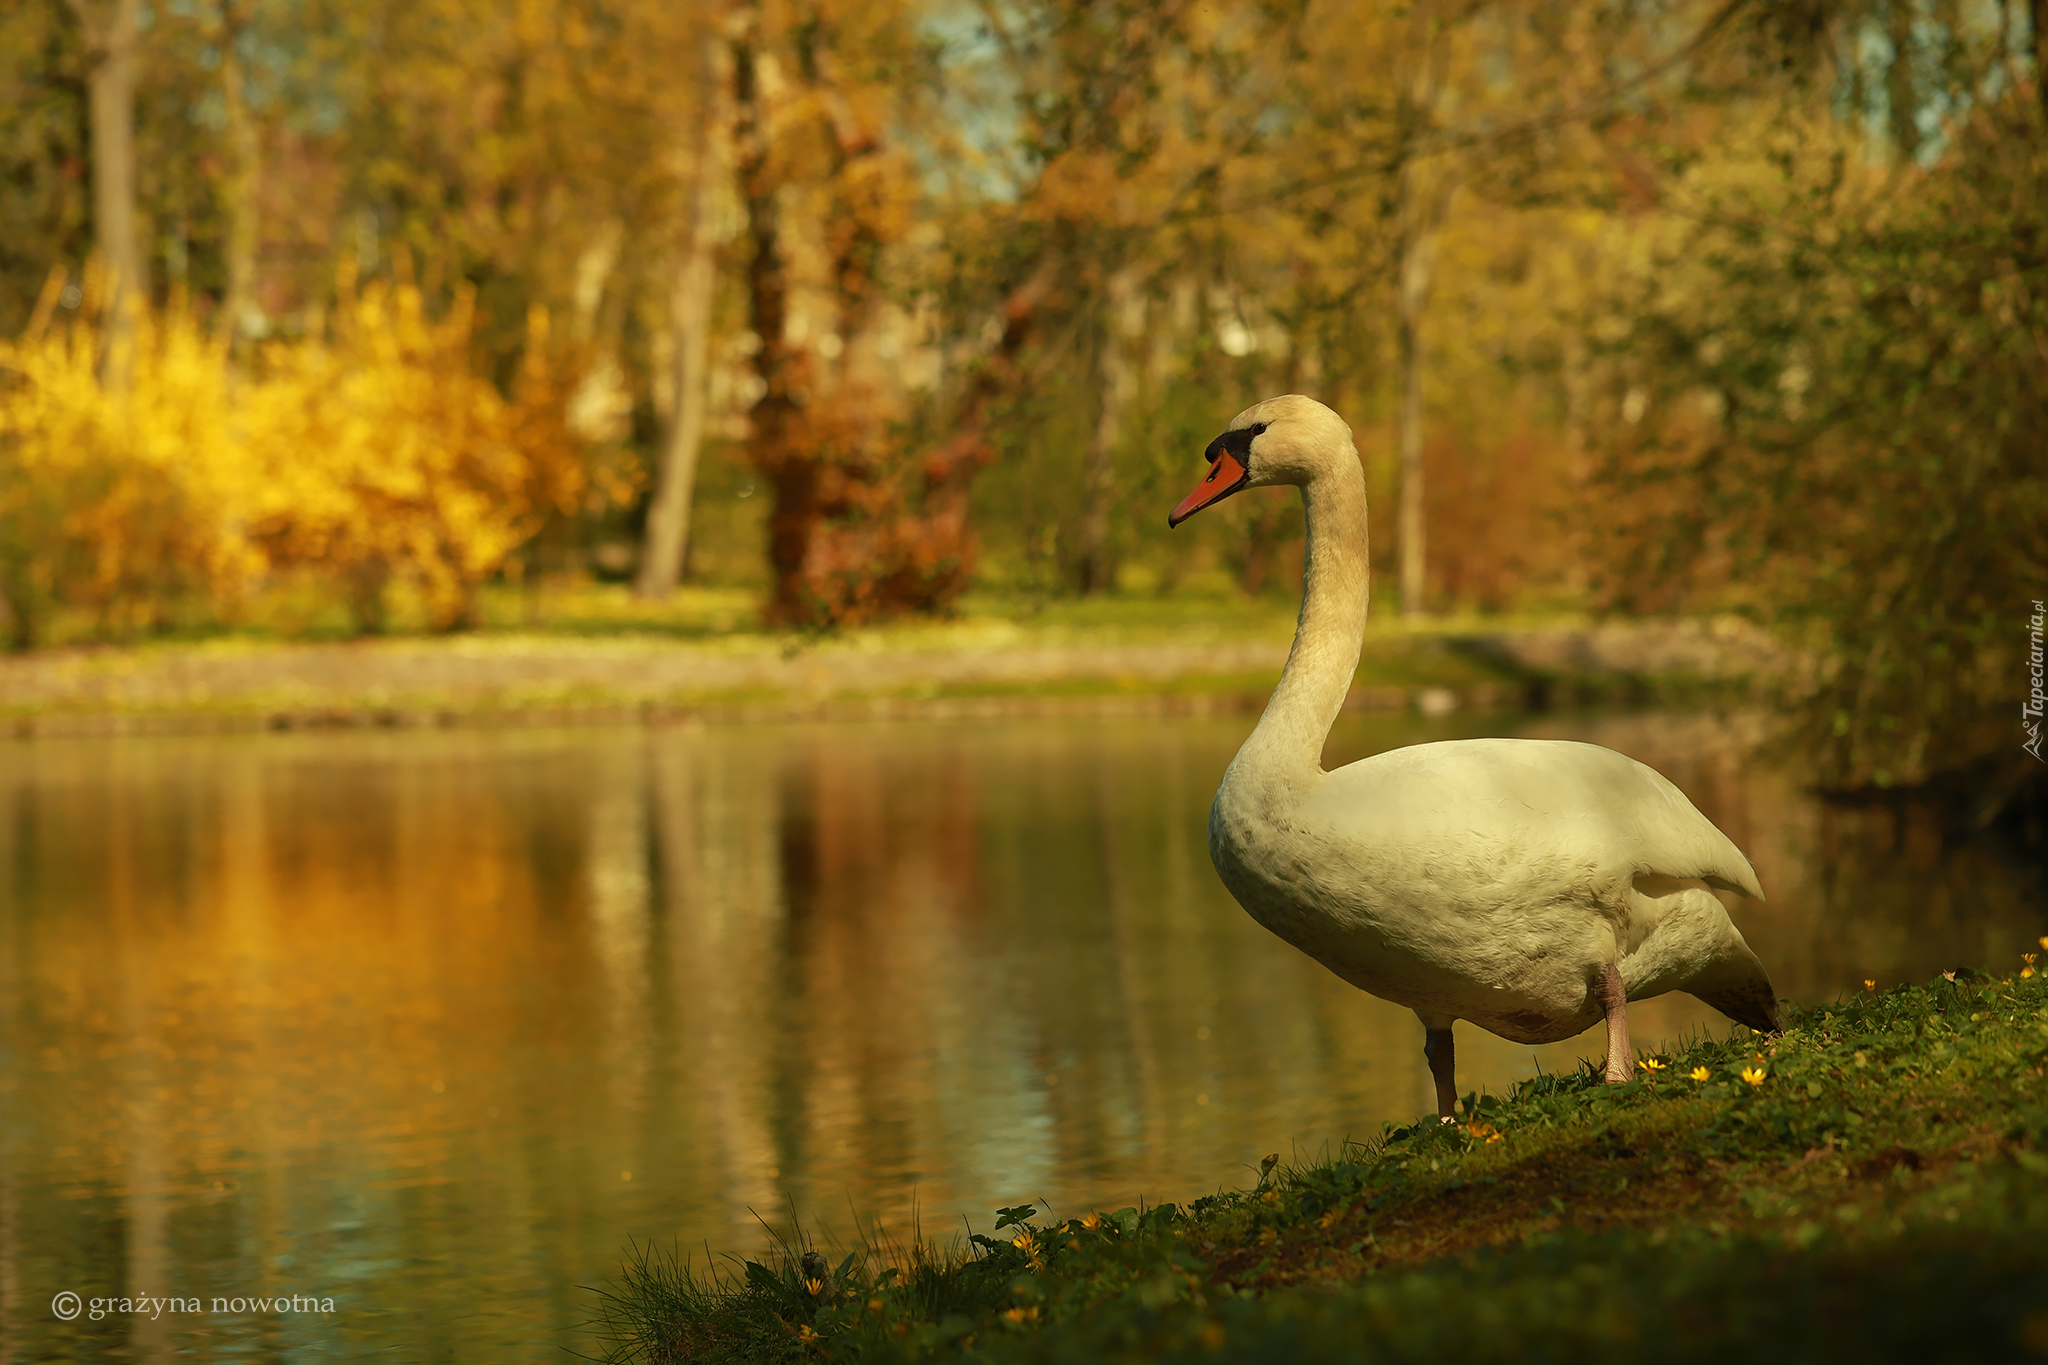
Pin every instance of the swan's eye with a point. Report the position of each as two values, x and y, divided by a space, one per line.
1258 428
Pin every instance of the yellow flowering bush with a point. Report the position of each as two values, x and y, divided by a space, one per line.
370 456
382 455
118 503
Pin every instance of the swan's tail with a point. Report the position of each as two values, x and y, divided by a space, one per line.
1750 1002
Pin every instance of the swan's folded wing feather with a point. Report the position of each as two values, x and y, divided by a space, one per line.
1588 805
1677 841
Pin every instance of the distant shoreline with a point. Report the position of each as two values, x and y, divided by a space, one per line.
971 670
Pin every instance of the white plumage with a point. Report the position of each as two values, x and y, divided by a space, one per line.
1528 886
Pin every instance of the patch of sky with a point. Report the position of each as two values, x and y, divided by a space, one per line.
291 60
1668 28
282 67
1946 75
1507 60
981 100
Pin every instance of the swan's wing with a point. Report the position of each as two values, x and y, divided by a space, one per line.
1516 838
1589 806
1676 840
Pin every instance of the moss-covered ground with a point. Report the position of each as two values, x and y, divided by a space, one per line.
1871 1185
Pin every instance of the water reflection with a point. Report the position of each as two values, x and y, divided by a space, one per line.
431 1024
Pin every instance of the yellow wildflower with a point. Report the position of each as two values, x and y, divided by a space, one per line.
1700 1073
1485 1132
2028 958
1025 1314
1025 1243
805 1334
1754 1074
1652 1064
1868 984
814 1287
874 1305
1092 1221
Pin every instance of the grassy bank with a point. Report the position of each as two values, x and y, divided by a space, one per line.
601 654
1871 1185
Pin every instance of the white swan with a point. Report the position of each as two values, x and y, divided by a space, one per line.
1529 886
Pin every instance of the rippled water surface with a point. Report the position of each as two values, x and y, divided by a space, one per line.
426 1027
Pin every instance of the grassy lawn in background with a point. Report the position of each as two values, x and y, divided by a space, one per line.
1872 1185
596 648
1398 652
606 608
1204 610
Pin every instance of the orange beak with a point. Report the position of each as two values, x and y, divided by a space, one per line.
1227 474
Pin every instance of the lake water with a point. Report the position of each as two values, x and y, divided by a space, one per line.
426 1027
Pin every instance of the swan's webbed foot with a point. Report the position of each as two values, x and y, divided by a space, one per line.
1613 997
1442 1055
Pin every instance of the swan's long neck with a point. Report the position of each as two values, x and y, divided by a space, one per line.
1287 746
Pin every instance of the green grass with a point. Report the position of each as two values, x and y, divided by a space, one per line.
296 611
1875 1188
1093 648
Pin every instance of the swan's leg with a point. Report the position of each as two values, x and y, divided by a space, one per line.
1437 1047
1613 996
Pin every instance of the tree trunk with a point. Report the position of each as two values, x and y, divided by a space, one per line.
1118 387
792 476
2037 14
239 315
861 527
1900 97
17 619
112 36
668 518
1418 265
1421 210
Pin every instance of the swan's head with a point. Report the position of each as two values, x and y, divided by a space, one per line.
1290 439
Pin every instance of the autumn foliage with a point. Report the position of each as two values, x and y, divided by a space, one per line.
119 505
369 458
963 291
